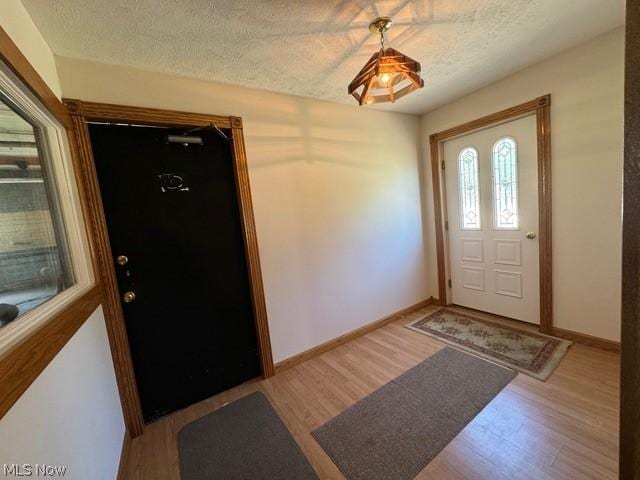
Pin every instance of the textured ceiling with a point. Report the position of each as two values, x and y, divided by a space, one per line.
314 47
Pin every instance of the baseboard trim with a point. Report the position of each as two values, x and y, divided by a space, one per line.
124 455
589 340
331 344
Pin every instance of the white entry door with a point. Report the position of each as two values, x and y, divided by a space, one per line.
492 212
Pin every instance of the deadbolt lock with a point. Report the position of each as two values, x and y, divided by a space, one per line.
531 235
128 297
122 260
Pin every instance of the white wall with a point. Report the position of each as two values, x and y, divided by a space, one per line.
67 416
586 85
71 414
15 20
335 190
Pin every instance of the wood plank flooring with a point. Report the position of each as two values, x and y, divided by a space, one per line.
564 428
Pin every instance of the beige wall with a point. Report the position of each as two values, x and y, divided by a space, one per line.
71 414
335 190
586 84
15 20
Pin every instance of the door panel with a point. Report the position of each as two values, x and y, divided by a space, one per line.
473 278
491 206
508 252
172 211
472 250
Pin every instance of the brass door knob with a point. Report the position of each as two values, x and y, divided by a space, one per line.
122 260
531 235
128 297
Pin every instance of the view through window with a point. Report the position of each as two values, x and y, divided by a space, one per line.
34 264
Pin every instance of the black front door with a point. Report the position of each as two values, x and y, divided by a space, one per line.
172 210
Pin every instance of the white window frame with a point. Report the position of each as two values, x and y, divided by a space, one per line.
63 179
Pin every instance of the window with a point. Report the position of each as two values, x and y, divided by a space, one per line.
505 184
34 258
469 188
43 255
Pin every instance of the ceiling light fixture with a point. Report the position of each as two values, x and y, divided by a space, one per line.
388 75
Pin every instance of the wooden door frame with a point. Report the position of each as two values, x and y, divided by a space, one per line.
541 107
630 315
82 112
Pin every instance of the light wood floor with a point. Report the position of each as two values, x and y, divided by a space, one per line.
564 428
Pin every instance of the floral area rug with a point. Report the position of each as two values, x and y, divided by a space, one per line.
533 354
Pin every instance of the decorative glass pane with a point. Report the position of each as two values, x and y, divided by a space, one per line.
469 189
505 184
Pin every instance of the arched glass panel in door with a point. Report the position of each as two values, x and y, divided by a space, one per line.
504 164
469 189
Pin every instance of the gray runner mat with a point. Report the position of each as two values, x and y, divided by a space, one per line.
397 430
244 440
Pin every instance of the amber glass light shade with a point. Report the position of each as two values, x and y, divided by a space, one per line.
387 76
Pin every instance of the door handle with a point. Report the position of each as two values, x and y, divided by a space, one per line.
128 297
531 235
122 260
